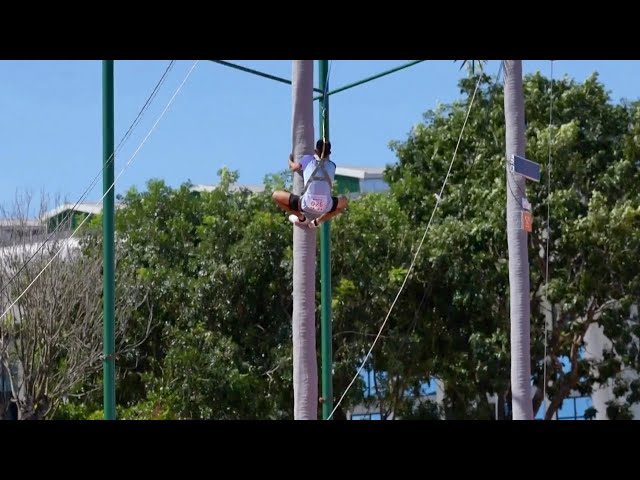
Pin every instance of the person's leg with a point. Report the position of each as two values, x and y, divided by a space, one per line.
339 204
290 203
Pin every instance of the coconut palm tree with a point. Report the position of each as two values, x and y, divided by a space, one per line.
305 367
517 239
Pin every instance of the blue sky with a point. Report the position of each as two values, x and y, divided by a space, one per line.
51 131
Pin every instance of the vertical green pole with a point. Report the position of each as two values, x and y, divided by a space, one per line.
325 267
108 265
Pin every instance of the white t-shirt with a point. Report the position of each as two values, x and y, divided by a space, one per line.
317 198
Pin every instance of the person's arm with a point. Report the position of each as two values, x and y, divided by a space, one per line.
301 165
293 165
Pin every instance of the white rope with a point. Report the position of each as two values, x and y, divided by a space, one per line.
105 193
438 199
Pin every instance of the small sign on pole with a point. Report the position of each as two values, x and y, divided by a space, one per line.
527 221
524 167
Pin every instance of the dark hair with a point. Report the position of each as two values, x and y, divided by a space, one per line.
327 147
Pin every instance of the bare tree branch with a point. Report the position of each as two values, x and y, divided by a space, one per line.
51 340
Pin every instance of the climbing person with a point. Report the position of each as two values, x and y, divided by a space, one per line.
316 204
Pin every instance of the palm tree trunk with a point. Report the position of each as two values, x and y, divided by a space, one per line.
305 367
517 243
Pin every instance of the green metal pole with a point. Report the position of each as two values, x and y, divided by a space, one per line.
108 265
325 268
257 72
373 77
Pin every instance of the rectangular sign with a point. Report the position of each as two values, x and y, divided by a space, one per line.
527 221
524 167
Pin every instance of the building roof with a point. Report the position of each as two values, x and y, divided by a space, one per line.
89 207
361 172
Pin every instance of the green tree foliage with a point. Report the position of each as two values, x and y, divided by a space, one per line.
217 265
371 254
220 346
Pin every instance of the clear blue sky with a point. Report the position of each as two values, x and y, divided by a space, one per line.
51 131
